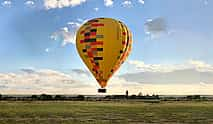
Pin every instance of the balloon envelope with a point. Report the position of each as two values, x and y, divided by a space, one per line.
103 44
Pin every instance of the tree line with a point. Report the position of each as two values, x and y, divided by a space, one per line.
42 97
45 97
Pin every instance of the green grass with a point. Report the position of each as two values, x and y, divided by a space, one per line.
73 112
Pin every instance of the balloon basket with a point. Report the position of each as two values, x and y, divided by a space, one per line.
101 90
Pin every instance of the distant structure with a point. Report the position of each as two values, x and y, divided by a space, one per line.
140 94
127 93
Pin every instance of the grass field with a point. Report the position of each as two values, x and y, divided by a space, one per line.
72 112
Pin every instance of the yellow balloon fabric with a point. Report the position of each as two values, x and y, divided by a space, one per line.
103 44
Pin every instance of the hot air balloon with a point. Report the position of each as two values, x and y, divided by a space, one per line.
103 44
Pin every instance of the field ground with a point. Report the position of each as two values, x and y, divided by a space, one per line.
72 112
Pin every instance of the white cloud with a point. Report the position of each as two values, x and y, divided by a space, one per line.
80 20
65 29
177 89
81 72
156 27
127 3
6 3
51 4
141 66
32 81
36 81
108 3
206 2
28 70
68 34
75 24
141 1
200 66
119 86
30 3
96 9
64 35
203 84
47 50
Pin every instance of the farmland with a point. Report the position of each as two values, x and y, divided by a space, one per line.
104 112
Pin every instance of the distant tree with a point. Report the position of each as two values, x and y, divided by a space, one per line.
45 97
157 97
190 97
204 98
34 97
133 96
80 97
59 97
196 96
140 94
108 97
0 96
127 93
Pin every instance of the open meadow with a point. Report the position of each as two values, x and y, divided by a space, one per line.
70 112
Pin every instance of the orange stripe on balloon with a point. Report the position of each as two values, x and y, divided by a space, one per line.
97 24
82 32
97 43
87 37
92 33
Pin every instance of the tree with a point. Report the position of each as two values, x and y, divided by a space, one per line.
34 97
127 93
140 94
80 97
45 97
59 97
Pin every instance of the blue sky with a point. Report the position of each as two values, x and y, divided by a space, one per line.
25 32
167 34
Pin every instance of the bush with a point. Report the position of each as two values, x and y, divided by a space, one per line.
34 97
45 97
80 97
59 97
190 97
